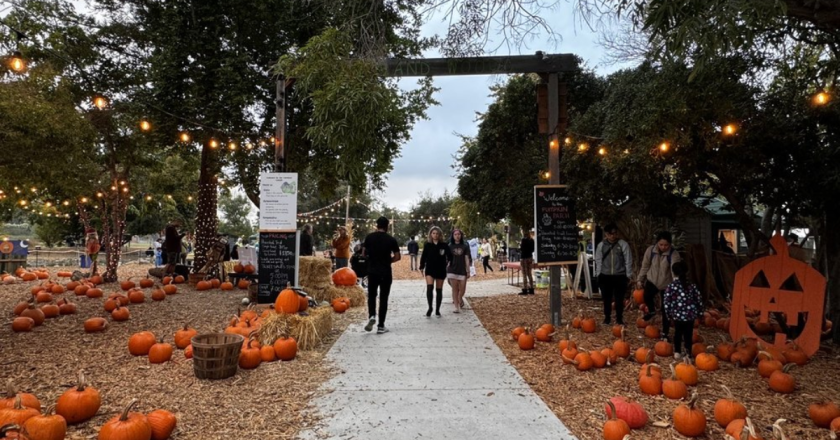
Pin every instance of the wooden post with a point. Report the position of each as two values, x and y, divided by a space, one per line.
280 131
556 126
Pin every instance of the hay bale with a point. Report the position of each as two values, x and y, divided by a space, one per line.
319 294
308 330
356 294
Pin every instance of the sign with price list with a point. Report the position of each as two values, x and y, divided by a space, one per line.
556 228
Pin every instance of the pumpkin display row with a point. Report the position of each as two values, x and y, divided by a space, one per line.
20 415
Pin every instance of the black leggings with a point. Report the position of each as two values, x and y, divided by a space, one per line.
485 260
383 283
683 335
613 288
651 292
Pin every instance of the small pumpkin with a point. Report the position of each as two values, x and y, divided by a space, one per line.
127 426
706 362
639 296
589 325
249 357
526 341
344 277
127 285
120 314
67 308
179 279
238 268
287 301
170 289
243 284
43 297
340 306
516 332
687 373
249 268
46 426
215 283
621 347
183 337
160 352
728 409
23 324
652 331
822 413
147 282
94 293
285 348
742 429
267 353
689 420
140 343
137 297
26 399
674 388
782 381
304 303
203 285
158 295
768 365
598 359
188 352
663 349
17 414
615 428
543 334
227 285
650 384
95 324
835 426
162 422
79 403
630 411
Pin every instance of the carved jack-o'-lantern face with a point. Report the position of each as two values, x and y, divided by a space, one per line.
781 287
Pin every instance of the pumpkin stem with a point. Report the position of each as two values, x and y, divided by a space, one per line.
769 356
81 386
613 412
18 403
778 432
9 427
728 392
787 367
673 372
647 372
10 389
650 356
749 427
693 400
621 338
124 415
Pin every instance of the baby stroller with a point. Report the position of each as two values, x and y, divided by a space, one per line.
358 263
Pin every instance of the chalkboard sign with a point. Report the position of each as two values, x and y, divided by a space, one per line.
278 264
556 226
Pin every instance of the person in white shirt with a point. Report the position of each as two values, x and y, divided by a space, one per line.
485 255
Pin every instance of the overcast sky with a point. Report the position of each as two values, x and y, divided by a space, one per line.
427 159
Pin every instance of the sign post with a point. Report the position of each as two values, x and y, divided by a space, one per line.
556 238
278 261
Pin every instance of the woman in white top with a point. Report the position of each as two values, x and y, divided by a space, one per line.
486 252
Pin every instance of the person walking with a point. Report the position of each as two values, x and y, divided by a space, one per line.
306 243
486 253
172 246
526 260
341 243
413 250
158 252
458 270
683 304
656 274
613 268
433 262
382 250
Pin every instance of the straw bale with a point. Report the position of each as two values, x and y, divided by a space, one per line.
319 294
356 294
308 330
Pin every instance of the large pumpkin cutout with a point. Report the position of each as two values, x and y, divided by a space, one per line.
784 287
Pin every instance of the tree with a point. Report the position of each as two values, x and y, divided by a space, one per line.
499 167
435 209
52 231
235 211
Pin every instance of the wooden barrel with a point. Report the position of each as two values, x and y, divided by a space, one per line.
195 278
216 355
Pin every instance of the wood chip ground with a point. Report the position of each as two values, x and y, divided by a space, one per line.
578 397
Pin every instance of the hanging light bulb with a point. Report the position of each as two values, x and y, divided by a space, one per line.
148 198
99 194
214 143
145 125
232 146
583 147
184 137
730 129
84 200
821 98
100 102
17 63
602 151
664 147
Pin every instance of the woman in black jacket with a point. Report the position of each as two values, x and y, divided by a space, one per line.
433 264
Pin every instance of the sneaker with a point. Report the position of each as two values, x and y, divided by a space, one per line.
370 324
524 292
380 330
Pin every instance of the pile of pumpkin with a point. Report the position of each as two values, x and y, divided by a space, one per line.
730 414
248 323
21 274
30 315
21 417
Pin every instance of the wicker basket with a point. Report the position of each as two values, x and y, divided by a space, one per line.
196 277
216 355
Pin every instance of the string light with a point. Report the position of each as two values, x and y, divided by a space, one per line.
232 146
730 129
249 146
553 143
547 174
602 151
145 125
567 141
821 98
214 143
583 147
100 102
664 147
184 137
148 198
84 200
17 63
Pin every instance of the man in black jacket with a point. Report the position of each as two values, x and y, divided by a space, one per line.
413 250
306 245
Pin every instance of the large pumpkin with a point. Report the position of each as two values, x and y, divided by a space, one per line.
287 301
344 277
780 284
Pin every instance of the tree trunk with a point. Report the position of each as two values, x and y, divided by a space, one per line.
206 220
114 208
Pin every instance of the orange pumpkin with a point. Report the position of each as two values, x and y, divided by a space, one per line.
287 301
243 284
140 343
162 422
285 348
126 426
344 277
227 285
183 337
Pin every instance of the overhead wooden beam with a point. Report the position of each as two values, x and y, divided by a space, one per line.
537 63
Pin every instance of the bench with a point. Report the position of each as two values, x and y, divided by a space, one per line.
514 269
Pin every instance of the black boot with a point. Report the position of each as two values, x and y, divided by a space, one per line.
429 299
531 292
524 291
438 301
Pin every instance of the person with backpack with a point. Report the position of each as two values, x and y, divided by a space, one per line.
655 275
613 268
683 304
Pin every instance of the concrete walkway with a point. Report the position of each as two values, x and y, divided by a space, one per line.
429 378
